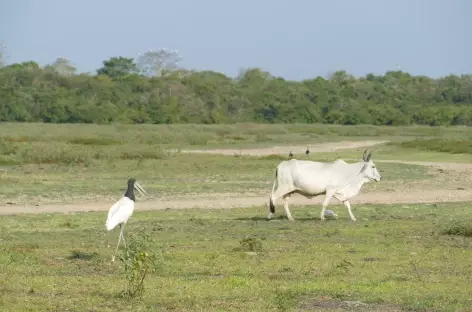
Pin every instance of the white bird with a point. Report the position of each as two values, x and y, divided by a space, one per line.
122 210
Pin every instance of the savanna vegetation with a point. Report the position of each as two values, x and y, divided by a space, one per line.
55 163
153 89
453 146
395 258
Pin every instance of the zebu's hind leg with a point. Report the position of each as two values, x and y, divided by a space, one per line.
287 211
278 193
329 194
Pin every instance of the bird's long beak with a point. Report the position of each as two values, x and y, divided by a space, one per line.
140 189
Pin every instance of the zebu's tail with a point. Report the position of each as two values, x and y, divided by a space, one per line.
271 202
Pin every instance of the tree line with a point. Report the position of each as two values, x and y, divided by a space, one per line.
154 89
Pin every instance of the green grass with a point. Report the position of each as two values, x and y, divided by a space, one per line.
54 163
414 256
81 145
209 135
395 255
403 151
452 146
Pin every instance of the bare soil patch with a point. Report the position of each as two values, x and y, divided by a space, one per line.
225 201
339 305
315 148
328 147
441 165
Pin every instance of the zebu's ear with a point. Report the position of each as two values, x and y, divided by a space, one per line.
368 156
364 155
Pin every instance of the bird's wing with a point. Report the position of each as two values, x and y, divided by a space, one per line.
119 212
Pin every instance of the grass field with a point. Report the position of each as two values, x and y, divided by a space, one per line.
212 135
177 176
397 257
54 163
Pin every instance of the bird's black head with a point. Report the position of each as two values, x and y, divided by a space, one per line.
130 190
133 185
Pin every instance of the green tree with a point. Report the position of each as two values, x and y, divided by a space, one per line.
160 92
117 67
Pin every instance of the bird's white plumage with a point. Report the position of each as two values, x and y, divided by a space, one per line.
120 212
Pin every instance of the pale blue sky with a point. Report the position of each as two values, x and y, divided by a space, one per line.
294 39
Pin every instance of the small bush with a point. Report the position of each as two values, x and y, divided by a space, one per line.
17 139
262 138
69 224
440 145
4 161
340 268
7 148
460 228
138 263
80 255
274 157
94 141
40 153
285 299
143 154
250 243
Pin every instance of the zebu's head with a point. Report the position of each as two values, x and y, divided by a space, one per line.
369 170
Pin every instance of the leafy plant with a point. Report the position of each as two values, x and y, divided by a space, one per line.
285 299
138 263
251 243
458 228
439 145
341 267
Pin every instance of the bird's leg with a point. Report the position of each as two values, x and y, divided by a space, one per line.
119 239
122 235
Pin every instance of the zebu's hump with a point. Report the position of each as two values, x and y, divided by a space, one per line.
335 163
296 165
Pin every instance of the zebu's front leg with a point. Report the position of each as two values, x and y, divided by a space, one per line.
329 194
287 211
348 206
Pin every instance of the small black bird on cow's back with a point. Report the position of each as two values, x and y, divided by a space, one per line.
290 155
307 152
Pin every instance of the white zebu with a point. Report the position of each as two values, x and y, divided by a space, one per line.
336 179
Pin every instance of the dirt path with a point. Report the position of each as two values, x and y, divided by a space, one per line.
441 165
285 149
221 201
326 148
225 202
